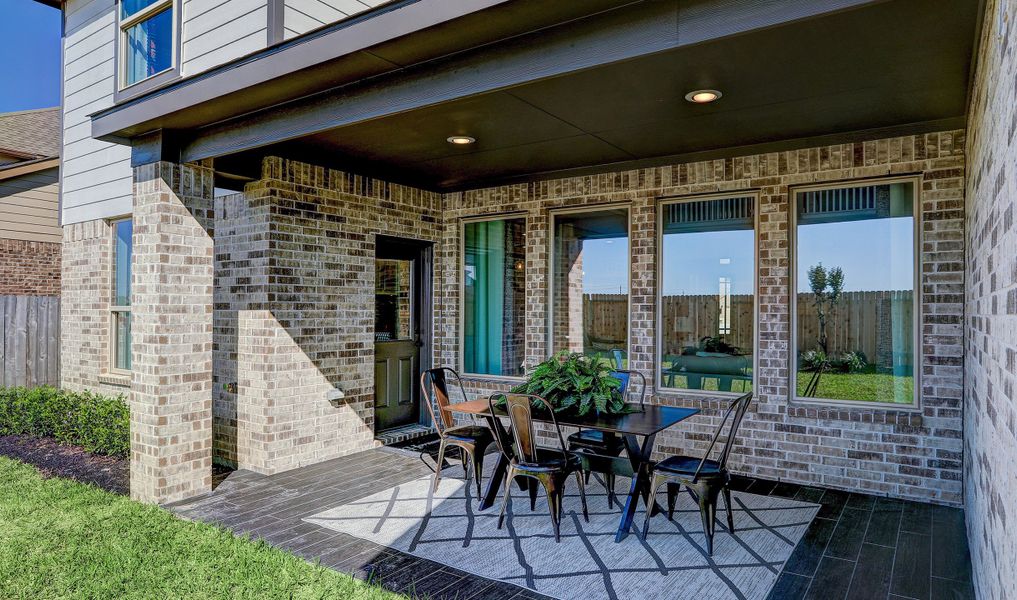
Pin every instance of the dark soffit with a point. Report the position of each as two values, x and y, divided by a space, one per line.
892 68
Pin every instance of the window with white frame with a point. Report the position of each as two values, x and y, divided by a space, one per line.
146 39
120 306
707 261
590 266
856 309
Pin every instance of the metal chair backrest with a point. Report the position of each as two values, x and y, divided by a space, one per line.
434 387
625 377
520 414
738 407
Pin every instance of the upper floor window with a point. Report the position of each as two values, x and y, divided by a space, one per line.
707 287
120 306
146 39
856 308
590 283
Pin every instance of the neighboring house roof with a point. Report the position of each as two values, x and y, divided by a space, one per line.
34 133
29 139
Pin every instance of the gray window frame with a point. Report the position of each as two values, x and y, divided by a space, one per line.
662 204
124 91
115 309
792 367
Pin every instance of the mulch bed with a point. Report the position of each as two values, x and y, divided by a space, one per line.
57 460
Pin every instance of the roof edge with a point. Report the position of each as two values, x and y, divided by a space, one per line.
27 167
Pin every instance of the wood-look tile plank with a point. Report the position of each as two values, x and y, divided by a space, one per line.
912 566
872 575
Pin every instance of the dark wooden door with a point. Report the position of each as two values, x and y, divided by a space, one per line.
397 338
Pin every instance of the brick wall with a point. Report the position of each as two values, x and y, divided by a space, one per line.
171 337
899 453
990 374
29 268
86 292
315 274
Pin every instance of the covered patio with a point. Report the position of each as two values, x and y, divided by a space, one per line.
857 546
721 198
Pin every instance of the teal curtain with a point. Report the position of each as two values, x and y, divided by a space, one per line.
485 297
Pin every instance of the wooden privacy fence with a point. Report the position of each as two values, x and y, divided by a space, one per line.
29 340
876 323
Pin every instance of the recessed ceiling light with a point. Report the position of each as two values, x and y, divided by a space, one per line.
702 96
460 140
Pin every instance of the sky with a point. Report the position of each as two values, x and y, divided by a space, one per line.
29 55
875 255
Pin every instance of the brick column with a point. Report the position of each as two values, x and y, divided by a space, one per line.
171 386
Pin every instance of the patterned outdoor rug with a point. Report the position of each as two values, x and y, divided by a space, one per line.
447 527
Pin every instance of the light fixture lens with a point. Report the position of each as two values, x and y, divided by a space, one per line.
461 140
703 96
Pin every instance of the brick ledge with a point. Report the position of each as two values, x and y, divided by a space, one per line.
113 379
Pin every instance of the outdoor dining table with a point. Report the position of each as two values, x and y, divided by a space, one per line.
644 421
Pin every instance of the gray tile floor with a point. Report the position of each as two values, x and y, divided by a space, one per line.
858 547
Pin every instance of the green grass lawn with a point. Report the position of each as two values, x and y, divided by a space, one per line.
63 539
866 385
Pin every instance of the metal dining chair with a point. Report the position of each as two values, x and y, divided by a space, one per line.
472 440
551 467
594 440
705 478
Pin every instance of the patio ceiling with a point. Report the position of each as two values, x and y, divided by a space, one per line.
898 65
607 92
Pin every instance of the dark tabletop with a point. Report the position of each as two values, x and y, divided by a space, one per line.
650 420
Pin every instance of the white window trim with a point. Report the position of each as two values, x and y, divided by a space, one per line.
658 315
461 286
552 217
114 309
792 367
127 90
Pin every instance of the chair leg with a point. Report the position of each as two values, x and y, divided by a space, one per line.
586 477
553 492
508 494
654 487
730 514
439 464
609 482
533 494
582 495
708 511
478 467
673 489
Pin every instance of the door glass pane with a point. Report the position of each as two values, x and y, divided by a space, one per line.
122 249
590 286
392 300
494 297
855 270
707 306
122 340
149 47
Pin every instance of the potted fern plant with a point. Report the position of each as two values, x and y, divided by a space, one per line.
575 383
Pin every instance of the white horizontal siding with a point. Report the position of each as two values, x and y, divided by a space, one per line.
301 16
217 31
96 175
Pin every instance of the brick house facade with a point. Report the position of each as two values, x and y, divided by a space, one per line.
291 309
